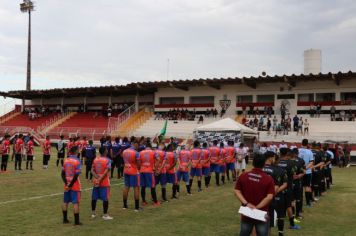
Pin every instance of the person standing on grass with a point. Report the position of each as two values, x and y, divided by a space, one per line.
46 148
19 146
196 167
5 152
184 159
317 170
206 164
279 176
290 167
72 187
307 156
222 162
297 182
116 149
241 153
61 145
30 153
90 154
160 170
214 158
132 175
101 190
171 171
230 160
255 189
147 178
69 146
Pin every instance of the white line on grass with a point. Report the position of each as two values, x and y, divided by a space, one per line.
48 195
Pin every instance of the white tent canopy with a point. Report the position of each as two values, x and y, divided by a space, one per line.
226 124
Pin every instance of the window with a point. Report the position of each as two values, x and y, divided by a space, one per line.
171 100
285 96
244 99
201 100
306 97
348 97
265 98
325 97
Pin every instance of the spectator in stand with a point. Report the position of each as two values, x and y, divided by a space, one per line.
250 112
300 126
342 115
283 112
318 110
215 113
332 113
269 111
285 126
244 111
269 124
274 126
306 127
109 111
295 123
201 119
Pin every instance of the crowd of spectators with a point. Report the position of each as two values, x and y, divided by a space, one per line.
36 112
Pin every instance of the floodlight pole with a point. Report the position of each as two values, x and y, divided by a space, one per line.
27 6
28 81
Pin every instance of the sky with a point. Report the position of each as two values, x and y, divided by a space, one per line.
93 43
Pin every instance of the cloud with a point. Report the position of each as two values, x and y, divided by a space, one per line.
86 43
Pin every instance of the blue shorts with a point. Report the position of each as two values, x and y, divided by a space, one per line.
71 197
196 172
230 166
183 175
222 168
161 179
214 168
172 178
101 193
132 180
206 171
147 180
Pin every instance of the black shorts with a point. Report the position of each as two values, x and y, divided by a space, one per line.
297 191
316 179
46 157
60 155
29 158
279 204
288 198
307 180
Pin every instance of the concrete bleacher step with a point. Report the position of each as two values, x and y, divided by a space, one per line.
58 122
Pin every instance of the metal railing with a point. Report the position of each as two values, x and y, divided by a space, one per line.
90 133
115 122
43 129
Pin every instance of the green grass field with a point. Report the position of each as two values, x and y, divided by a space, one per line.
211 212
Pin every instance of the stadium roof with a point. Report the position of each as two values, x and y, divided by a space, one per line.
150 87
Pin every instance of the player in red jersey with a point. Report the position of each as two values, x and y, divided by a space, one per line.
161 171
100 169
72 187
5 152
214 158
184 157
196 167
171 162
222 162
82 145
19 145
132 176
206 164
69 146
78 143
46 148
230 160
147 178
30 153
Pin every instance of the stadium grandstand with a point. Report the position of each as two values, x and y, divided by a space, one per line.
327 101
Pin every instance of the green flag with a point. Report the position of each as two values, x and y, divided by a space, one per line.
164 129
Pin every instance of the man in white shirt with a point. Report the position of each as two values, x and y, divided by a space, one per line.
241 153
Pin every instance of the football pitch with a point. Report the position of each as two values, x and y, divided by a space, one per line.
30 204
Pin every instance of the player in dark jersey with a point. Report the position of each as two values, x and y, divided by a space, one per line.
116 148
290 167
279 176
297 182
318 164
327 169
89 157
